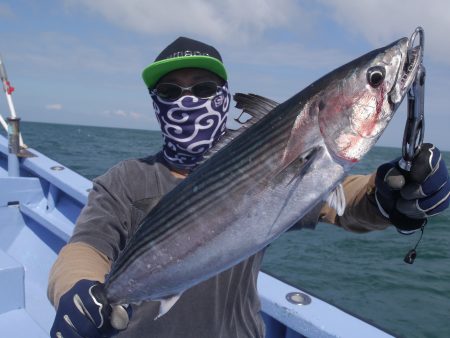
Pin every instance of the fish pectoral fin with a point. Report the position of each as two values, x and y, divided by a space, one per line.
166 304
336 200
299 166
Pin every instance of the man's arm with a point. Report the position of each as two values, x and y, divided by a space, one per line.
77 292
76 280
76 261
100 231
405 199
361 212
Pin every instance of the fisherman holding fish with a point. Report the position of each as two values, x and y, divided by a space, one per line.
189 88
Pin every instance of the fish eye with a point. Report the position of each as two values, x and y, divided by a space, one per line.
375 76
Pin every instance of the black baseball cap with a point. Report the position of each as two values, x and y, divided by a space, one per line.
184 53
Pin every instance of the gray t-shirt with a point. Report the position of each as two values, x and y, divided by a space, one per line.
226 305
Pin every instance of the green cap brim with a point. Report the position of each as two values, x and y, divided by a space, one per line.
158 69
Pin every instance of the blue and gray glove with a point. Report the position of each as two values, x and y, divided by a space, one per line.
84 311
409 198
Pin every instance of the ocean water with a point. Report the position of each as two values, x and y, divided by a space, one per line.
363 274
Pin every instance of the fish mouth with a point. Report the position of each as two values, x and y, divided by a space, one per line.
412 57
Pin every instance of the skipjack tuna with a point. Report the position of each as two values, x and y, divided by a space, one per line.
264 177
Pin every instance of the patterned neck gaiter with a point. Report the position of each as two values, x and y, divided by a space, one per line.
190 126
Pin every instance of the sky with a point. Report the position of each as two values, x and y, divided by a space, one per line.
80 61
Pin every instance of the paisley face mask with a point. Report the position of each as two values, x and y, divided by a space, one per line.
190 126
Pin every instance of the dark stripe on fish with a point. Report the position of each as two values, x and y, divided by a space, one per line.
169 219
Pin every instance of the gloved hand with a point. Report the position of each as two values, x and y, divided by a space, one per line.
409 198
84 311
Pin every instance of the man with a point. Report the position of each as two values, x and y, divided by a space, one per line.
188 85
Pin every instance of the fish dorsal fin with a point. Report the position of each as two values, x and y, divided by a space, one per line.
336 200
254 105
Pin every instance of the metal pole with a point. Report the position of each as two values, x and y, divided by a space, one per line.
3 123
8 92
13 146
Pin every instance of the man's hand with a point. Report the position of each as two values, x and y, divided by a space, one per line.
84 311
409 198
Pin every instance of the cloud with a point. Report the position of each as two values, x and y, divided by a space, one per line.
224 20
246 22
385 20
120 113
252 23
54 106
252 32
135 115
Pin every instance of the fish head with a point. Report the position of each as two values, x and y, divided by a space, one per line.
362 96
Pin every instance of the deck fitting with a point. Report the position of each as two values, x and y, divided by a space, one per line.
57 168
298 298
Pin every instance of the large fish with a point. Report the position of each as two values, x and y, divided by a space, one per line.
285 161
